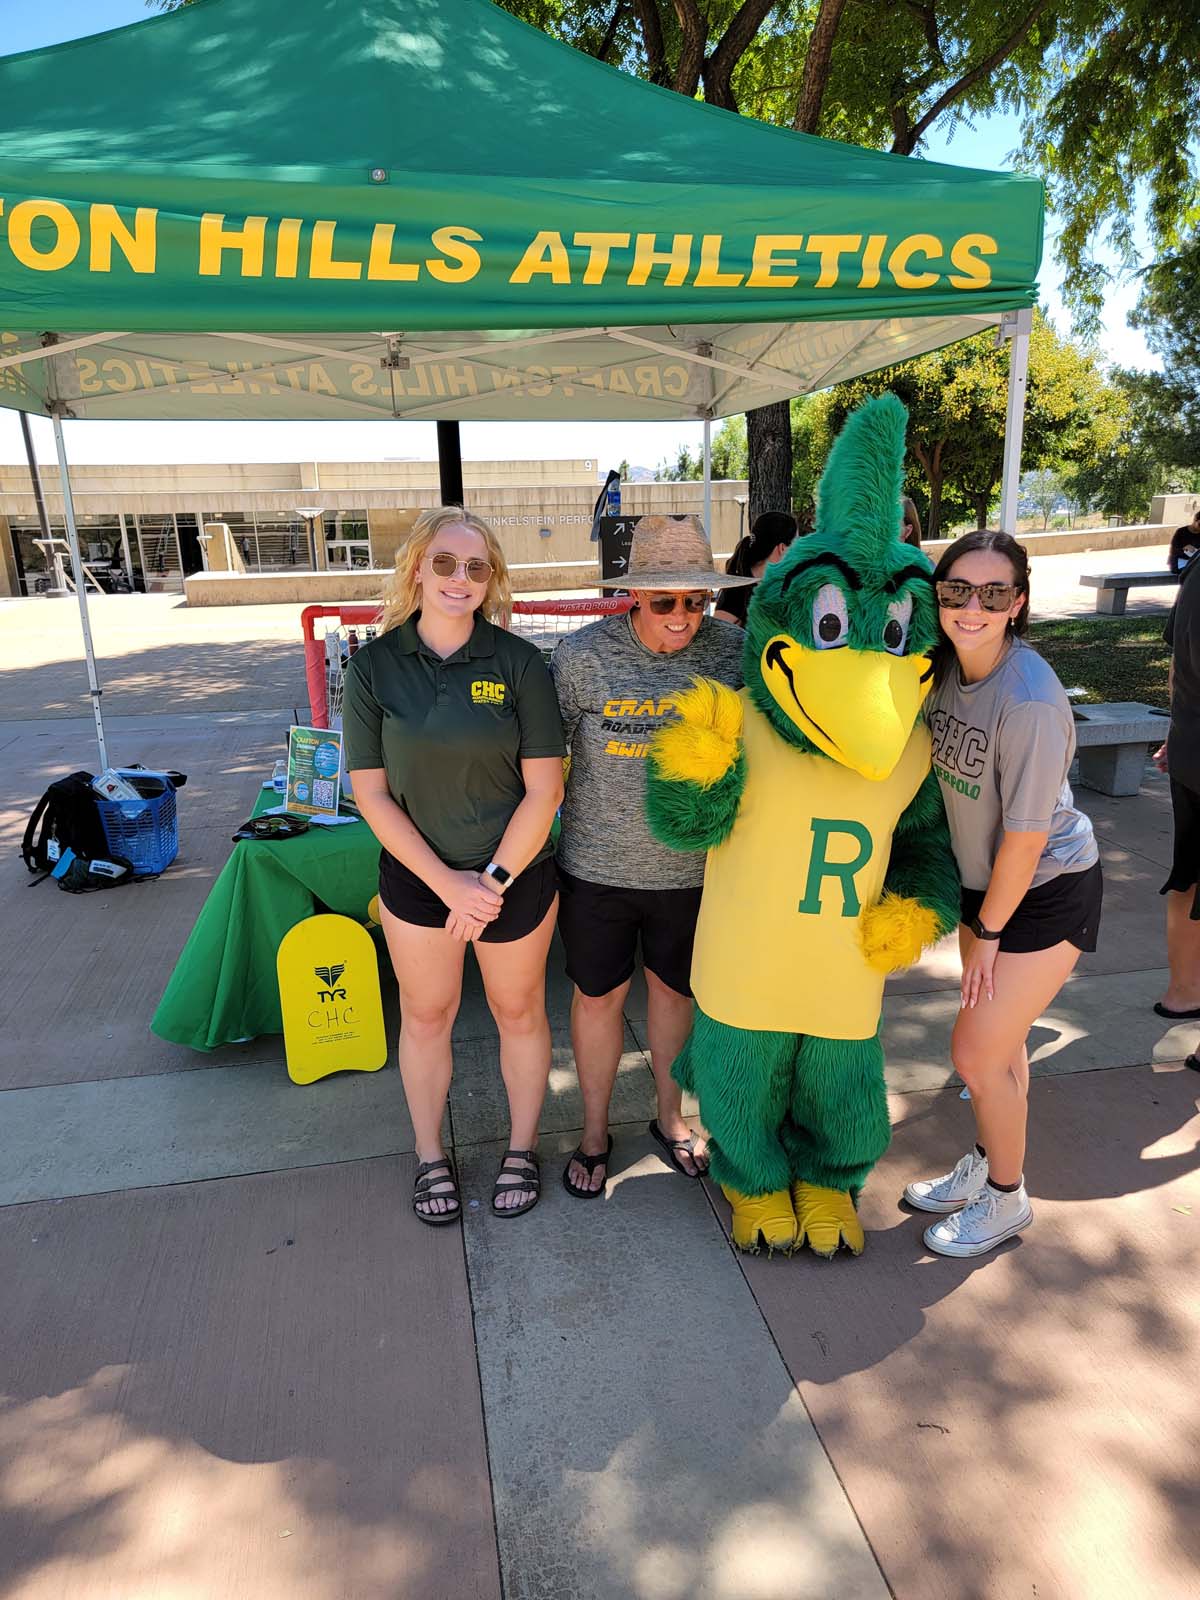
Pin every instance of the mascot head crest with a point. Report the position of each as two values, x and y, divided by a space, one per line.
839 631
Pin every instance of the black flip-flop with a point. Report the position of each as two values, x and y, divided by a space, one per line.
673 1145
589 1165
1160 1010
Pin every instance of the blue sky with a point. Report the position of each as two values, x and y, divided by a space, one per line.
30 27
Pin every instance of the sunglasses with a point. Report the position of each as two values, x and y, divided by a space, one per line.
444 565
662 605
954 593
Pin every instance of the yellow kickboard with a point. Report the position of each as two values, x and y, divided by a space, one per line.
329 994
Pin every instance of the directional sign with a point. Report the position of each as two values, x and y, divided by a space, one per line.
329 994
616 534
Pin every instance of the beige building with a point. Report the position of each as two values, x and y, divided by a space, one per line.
149 527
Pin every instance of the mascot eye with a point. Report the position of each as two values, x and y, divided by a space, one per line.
895 629
830 622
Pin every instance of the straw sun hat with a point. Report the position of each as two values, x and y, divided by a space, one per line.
671 553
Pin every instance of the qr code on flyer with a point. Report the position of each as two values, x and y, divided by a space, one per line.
324 794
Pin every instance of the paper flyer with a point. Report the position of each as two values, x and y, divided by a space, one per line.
314 771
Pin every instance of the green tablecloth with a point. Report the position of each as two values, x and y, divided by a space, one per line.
223 988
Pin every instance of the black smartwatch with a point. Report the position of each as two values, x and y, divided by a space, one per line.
499 875
980 932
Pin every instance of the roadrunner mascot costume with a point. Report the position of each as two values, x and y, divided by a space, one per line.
829 861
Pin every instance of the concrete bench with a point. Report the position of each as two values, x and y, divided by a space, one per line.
1113 588
1112 743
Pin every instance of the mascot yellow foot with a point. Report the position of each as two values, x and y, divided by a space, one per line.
825 1219
765 1217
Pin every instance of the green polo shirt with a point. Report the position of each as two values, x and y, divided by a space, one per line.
451 734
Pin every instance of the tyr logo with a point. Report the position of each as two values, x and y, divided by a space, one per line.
329 977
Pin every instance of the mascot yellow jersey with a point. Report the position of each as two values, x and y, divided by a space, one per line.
777 943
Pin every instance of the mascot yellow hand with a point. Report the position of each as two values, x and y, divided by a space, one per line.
895 930
701 744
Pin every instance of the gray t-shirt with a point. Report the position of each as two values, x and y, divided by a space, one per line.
614 695
1002 749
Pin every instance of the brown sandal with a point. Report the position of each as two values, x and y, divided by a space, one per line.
430 1173
523 1176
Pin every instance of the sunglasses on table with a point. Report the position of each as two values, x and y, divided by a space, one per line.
445 565
662 605
954 593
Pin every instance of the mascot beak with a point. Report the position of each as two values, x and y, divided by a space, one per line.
858 706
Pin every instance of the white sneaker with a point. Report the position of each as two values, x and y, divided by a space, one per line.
979 1227
953 1189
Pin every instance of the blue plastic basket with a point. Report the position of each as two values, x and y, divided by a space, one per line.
143 832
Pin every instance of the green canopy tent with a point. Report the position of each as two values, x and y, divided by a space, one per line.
403 208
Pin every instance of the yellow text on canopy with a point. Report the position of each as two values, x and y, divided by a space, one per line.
45 235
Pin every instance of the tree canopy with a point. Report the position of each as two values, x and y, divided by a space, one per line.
956 399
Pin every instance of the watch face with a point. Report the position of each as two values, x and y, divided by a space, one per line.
497 872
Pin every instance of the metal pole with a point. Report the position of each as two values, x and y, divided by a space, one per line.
126 557
708 527
450 470
31 457
77 571
1016 326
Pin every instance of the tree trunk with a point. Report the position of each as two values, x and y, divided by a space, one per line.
933 528
769 449
982 502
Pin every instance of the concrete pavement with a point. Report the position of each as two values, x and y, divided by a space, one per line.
233 1363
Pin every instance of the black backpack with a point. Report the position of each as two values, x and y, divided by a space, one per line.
65 818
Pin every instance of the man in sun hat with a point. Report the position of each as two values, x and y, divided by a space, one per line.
616 681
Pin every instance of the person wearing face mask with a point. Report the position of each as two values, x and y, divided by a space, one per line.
772 533
1185 544
617 680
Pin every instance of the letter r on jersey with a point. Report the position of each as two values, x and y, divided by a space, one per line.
820 867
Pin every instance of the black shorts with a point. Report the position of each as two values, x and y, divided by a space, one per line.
600 926
1185 858
526 900
1068 907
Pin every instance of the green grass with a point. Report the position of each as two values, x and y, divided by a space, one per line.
1110 658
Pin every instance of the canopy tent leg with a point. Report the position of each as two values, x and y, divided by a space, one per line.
35 475
450 463
708 527
80 588
1017 326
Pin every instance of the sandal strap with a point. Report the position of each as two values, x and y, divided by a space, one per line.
430 1166
522 1178
427 1186
523 1155
590 1163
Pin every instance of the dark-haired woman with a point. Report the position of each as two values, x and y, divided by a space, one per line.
1003 742
770 536
1185 545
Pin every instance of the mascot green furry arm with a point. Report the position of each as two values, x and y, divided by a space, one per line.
829 856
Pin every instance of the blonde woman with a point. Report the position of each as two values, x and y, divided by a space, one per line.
455 745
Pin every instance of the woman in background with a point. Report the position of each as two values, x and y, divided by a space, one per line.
770 536
910 530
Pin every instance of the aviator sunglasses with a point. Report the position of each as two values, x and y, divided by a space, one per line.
444 565
662 605
954 593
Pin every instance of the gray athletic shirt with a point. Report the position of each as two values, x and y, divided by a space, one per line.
614 695
1002 749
